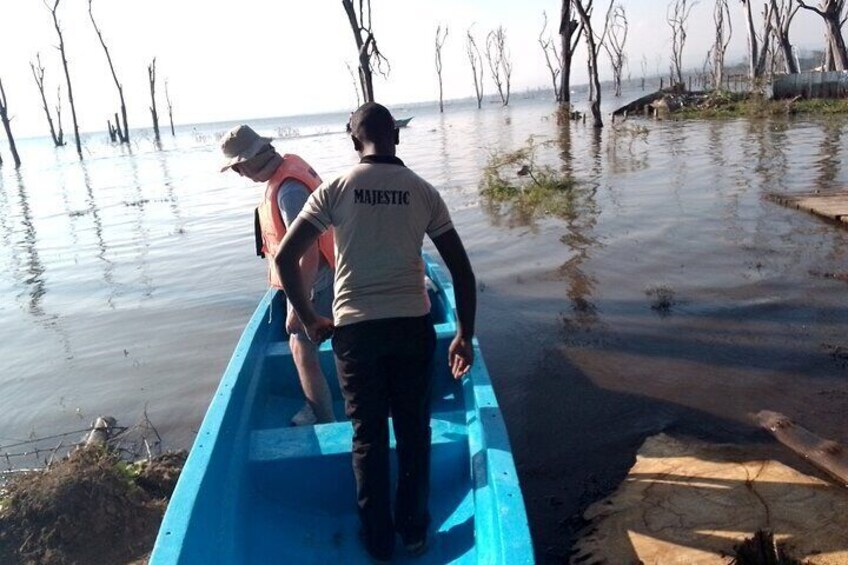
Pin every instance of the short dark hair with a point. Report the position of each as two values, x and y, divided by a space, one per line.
373 122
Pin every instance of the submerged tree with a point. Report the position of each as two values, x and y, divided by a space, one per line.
366 46
677 16
783 14
593 47
723 33
569 31
440 42
553 59
4 117
497 54
38 75
757 44
67 74
616 40
151 75
833 14
170 108
122 134
476 61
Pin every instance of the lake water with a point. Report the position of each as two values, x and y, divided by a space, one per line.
672 296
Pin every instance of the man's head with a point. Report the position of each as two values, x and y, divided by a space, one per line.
247 153
373 130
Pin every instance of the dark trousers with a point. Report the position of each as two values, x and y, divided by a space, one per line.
386 365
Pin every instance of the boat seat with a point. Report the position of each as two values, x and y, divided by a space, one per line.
332 439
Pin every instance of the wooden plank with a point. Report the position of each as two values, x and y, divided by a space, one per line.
831 206
827 455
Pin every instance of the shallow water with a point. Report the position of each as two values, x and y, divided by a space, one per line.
673 295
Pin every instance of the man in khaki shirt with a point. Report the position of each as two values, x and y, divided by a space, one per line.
383 337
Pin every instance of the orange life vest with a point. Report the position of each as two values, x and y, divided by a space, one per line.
269 225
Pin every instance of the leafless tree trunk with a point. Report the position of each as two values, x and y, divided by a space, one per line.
616 40
170 108
593 46
366 46
783 14
500 65
151 75
757 56
832 12
723 33
569 31
553 59
111 130
644 70
476 61
677 15
123 136
4 117
58 109
440 42
38 75
353 80
67 74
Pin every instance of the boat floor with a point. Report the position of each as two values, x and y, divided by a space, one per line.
300 496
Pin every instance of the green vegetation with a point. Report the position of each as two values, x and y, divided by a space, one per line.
515 181
736 105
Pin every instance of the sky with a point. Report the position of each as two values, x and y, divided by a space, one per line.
252 58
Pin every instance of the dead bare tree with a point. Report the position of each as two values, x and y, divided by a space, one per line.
123 135
833 14
570 31
723 33
4 117
440 42
553 59
67 74
370 56
38 75
783 13
476 61
593 47
677 15
497 55
170 108
353 80
644 70
757 43
151 75
614 45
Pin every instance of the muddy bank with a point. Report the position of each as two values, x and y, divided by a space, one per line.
91 507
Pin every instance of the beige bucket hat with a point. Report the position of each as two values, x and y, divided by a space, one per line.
240 144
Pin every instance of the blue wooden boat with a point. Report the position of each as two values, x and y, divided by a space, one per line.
255 490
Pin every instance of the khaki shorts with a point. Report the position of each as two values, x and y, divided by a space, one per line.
322 302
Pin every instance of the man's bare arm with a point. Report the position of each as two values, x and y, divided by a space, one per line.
297 242
461 353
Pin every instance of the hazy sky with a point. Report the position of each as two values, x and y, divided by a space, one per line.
254 58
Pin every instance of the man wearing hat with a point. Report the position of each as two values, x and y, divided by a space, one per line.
289 182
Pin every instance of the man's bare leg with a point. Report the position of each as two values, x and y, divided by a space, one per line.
312 380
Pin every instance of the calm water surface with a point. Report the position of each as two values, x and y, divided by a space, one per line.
125 281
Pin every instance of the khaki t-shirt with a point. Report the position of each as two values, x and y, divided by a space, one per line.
380 211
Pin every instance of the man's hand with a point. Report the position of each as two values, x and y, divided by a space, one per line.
319 329
460 356
293 322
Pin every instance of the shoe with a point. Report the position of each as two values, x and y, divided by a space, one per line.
416 548
373 557
304 417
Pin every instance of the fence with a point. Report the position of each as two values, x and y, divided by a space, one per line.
811 85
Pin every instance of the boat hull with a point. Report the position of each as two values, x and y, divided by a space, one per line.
255 490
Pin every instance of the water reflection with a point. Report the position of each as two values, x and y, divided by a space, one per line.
829 163
141 230
580 223
102 249
168 183
34 276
